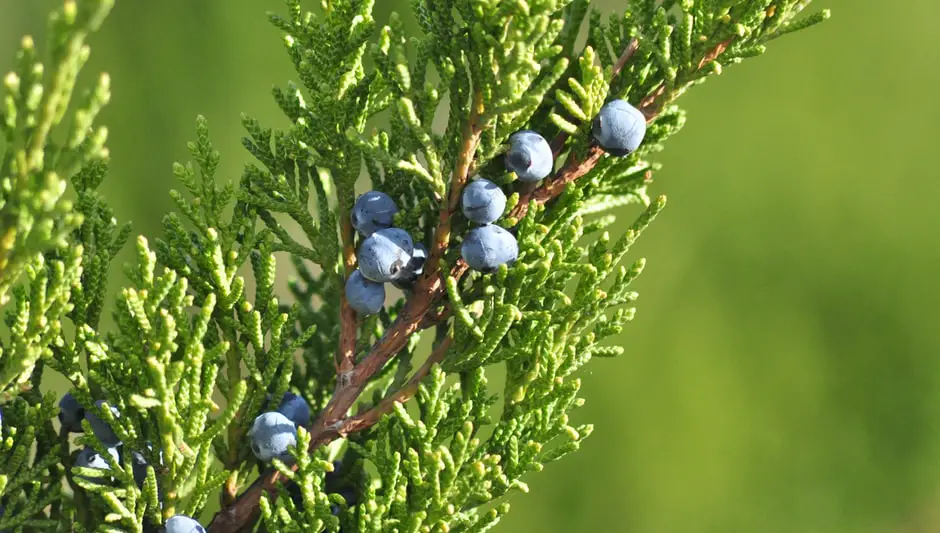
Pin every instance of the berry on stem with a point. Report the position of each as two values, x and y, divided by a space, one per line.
139 464
373 211
365 296
101 428
486 247
271 436
71 413
90 458
529 156
295 408
183 524
384 255
619 128
483 202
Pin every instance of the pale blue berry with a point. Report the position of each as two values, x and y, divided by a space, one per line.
373 211
365 296
71 413
414 268
529 156
486 247
101 428
89 458
483 202
384 254
271 436
183 524
619 128
295 408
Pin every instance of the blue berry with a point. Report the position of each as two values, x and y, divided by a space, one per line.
373 211
296 495
619 128
365 296
414 268
295 408
101 428
71 413
271 435
384 254
183 524
486 247
139 464
89 458
483 202
529 156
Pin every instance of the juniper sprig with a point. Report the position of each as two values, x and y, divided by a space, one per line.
337 403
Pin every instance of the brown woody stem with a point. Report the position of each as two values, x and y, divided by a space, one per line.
372 416
346 351
333 422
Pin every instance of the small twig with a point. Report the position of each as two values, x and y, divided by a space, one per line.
715 52
573 169
372 416
646 106
346 351
625 57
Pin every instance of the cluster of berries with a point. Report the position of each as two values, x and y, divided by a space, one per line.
389 255
71 414
274 432
271 436
487 246
386 255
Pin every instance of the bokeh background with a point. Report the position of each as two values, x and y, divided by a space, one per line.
783 372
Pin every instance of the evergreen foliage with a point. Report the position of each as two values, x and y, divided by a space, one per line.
409 433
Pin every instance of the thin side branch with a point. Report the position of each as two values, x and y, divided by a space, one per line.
372 416
346 351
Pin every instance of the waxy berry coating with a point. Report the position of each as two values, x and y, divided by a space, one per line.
295 408
71 413
271 436
384 255
101 428
619 128
183 524
89 458
139 464
373 211
367 297
483 202
529 156
486 247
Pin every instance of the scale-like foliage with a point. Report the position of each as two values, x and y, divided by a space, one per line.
408 433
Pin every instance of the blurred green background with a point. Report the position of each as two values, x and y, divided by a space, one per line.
782 374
